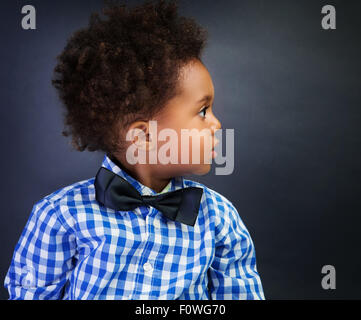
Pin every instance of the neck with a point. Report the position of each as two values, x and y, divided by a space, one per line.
142 173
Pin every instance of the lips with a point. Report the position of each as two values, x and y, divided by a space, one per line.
214 153
215 143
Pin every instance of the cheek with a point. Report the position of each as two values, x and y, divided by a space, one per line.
198 143
199 148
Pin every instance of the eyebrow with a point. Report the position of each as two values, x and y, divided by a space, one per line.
206 98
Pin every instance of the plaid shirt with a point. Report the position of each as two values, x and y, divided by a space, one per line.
74 248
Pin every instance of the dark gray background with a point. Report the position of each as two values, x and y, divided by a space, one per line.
291 91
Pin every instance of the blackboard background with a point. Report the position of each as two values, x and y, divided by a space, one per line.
289 89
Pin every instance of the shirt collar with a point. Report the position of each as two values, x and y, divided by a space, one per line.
115 166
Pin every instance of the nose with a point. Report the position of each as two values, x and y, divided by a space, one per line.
216 124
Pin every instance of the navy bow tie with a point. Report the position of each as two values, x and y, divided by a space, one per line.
116 193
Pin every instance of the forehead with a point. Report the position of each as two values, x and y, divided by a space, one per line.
195 81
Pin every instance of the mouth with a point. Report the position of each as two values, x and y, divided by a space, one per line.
213 152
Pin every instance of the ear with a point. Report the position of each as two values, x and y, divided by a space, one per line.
139 134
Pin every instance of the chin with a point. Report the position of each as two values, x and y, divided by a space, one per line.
202 170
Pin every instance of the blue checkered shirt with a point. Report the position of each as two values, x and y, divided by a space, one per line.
74 248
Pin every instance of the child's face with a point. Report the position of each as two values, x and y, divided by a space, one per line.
187 111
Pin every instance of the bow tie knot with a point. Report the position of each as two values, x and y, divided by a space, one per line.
116 193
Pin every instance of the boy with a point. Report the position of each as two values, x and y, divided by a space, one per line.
135 231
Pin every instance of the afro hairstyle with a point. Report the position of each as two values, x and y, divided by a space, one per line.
121 68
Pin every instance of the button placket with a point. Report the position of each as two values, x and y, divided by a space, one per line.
146 260
150 219
156 225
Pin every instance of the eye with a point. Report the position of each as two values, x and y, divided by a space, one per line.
203 111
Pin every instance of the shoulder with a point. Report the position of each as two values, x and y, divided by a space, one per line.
227 221
223 207
63 200
211 196
70 191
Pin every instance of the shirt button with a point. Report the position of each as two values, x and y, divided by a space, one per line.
147 266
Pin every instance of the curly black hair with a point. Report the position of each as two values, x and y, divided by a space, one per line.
123 69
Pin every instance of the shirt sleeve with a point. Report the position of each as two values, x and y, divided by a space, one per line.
43 257
233 273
